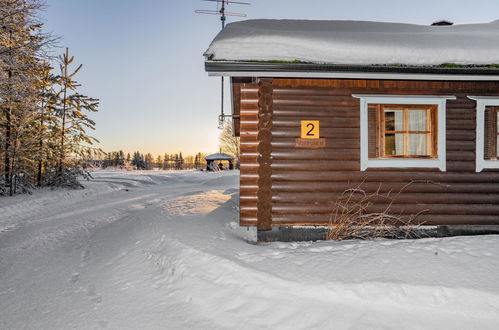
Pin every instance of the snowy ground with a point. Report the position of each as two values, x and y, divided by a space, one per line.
159 250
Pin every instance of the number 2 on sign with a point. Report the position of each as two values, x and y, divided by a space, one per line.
309 129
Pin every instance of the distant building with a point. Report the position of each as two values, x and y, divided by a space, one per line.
215 162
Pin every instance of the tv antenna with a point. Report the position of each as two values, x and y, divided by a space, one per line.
221 6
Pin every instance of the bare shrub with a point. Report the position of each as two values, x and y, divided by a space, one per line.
351 218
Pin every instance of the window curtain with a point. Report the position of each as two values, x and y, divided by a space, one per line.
399 138
418 143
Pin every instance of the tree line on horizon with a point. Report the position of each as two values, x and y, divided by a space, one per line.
141 161
44 118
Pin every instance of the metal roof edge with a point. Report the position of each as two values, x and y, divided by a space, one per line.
255 69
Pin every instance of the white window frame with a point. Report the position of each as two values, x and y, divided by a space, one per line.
481 103
439 100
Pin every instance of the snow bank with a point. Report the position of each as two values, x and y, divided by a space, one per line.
357 42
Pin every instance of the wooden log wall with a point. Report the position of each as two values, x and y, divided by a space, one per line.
264 148
305 183
248 112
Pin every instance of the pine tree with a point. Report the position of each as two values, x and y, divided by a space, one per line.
166 161
180 162
121 158
73 119
137 161
116 159
43 123
200 161
159 161
149 160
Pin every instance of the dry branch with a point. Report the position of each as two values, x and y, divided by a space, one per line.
351 218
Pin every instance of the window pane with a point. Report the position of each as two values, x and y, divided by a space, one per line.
418 145
394 120
394 144
417 120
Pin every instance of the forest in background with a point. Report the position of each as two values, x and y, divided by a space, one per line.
44 118
228 144
141 161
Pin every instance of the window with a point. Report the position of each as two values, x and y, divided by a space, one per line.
487 132
491 133
402 131
408 131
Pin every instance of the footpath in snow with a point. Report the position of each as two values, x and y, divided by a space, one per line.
161 250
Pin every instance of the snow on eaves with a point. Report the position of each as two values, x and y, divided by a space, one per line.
357 43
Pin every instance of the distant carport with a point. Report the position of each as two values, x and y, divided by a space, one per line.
211 159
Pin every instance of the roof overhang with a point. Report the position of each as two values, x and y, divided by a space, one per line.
311 70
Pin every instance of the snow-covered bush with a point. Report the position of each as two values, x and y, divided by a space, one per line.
69 177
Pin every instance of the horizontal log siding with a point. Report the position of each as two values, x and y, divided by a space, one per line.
306 183
248 106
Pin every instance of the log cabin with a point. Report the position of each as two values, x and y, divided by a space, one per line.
322 107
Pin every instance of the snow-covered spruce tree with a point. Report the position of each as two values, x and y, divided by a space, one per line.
73 121
22 47
138 161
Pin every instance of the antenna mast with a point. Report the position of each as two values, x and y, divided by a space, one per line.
223 16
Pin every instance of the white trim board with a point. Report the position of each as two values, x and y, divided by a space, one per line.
439 100
481 103
357 75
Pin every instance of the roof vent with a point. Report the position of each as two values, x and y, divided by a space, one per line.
442 23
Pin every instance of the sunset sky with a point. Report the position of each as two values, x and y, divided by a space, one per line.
143 58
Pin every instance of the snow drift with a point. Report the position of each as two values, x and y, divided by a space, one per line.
162 250
357 42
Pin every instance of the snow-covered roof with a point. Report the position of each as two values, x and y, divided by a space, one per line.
357 43
219 156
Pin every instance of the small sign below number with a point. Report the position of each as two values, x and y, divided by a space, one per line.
309 129
310 143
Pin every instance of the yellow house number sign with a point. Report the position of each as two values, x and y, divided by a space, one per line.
309 129
310 138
